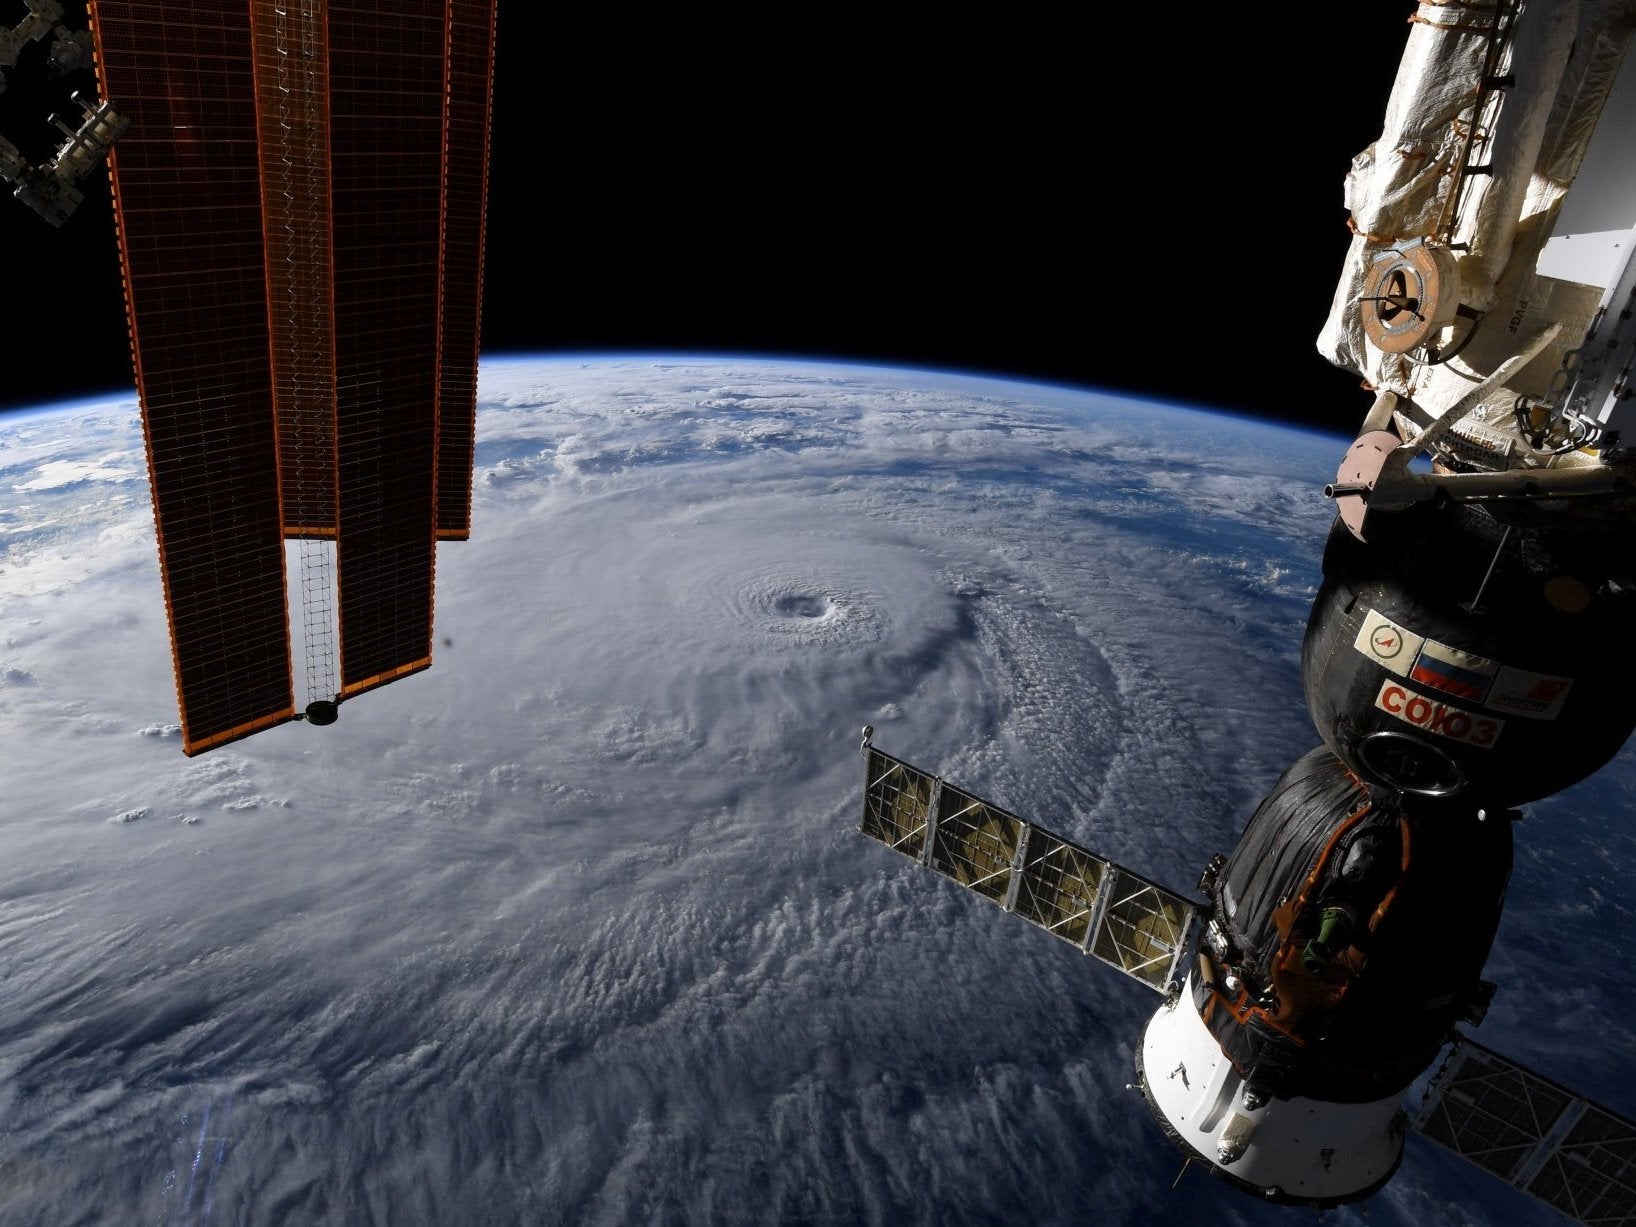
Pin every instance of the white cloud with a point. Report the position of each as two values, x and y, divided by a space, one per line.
574 927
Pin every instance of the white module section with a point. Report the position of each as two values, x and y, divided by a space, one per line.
1602 387
1304 1150
1589 242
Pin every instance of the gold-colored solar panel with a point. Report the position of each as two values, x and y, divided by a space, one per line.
1059 887
975 843
1120 917
897 803
1143 928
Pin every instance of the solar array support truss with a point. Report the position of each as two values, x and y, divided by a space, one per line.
1103 909
1574 1155
300 201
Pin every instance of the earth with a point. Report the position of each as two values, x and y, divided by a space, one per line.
576 926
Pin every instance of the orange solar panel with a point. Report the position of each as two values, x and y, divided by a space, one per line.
188 168
292 105
386 138
471 74
301 200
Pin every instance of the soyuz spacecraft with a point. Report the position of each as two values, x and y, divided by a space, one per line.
299 188
1459 661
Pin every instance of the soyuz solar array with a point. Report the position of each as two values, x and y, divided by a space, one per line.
1096 906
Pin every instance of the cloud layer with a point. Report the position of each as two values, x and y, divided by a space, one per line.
575 928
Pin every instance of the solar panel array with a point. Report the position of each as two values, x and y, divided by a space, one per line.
1570 1153
189 168
1103 909
292 103
386 132
471 67
300 201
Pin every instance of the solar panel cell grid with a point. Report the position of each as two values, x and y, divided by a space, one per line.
386 108
471 69
187 167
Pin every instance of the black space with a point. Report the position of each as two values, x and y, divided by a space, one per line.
1142 200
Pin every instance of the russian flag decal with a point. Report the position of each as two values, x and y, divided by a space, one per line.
1453 671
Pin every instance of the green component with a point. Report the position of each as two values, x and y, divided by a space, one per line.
1334 931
